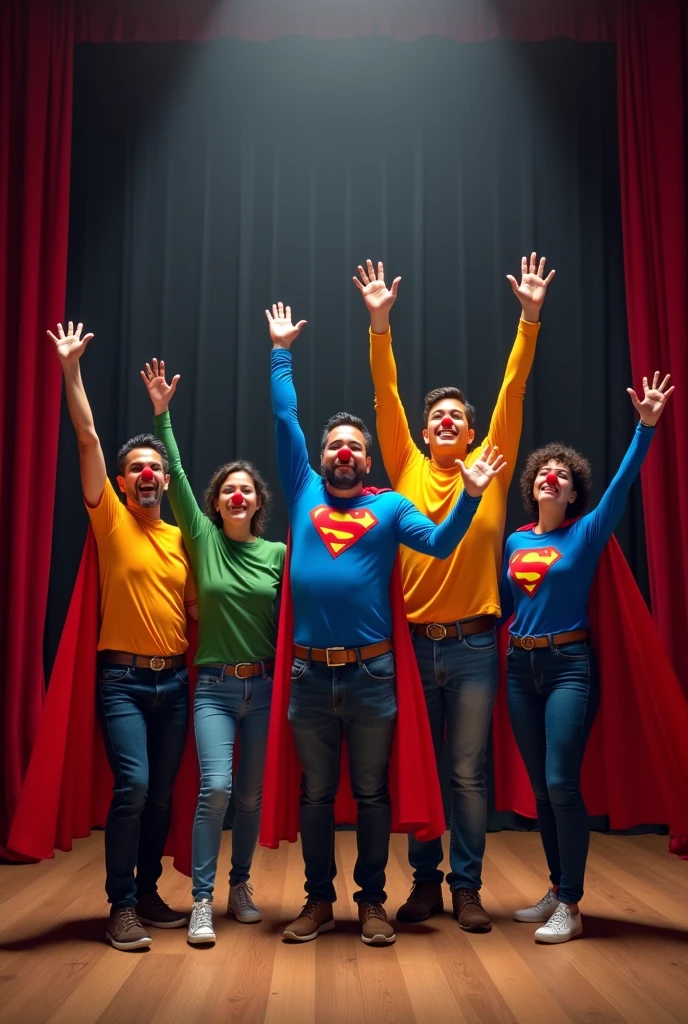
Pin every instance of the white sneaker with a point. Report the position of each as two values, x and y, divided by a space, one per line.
542 911
241 904
201 924
562 926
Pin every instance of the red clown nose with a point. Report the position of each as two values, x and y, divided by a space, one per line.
447 422
237 498
552 479
344 454
147 475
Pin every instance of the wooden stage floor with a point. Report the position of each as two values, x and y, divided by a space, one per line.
631 965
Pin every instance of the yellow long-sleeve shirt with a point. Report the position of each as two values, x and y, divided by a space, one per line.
467 583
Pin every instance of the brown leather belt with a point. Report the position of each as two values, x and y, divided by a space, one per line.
441 630
527 643
334 656
243 669
156 663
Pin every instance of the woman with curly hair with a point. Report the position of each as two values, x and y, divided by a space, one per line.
238 575
552 676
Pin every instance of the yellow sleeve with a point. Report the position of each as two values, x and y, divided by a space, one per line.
396 444
107 514
507 419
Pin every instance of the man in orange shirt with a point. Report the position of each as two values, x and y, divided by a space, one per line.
146 589
452 604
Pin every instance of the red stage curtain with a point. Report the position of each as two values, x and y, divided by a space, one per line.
36 55
36 46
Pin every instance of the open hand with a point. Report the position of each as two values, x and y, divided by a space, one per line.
377 296
70 346
482 472
533 287
159 390
655 398
282 331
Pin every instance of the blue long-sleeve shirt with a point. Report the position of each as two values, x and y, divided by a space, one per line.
546 577
343 549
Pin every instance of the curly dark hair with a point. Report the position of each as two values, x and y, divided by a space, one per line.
212 493
578 466
341 419
142 441
438 394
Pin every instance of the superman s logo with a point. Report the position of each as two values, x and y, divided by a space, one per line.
529 566
340 530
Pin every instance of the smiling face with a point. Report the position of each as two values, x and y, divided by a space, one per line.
144 481
444 437
237 500
553 485
345 471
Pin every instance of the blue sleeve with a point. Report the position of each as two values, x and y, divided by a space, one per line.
420 533
292 455
600 524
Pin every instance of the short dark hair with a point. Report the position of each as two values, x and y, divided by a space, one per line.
346 419
212 493
578 466
142 441
435 396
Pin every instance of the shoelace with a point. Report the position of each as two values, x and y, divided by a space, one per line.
471 896
244 896
310 908
375 910
546 900
156 900
418 890
202 914
559 919
128 919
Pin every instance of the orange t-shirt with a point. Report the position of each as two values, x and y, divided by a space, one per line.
145 580
466 584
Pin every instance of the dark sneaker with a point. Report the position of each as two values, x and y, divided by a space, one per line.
375 928
153 910
469 911
424 900
125 931
315 917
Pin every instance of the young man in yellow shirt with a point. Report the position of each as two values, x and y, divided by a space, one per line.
146 590
452 604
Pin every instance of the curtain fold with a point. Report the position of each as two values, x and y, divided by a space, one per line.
36 58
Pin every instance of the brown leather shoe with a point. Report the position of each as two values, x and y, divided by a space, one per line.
315 917
469 911
424 900
125 931
375 928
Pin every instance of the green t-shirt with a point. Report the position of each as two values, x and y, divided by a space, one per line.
237 583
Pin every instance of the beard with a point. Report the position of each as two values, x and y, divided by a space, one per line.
147 499
344 478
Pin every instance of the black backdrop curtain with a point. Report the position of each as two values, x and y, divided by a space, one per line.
211 179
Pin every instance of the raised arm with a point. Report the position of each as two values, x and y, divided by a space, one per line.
70 347
393 432
420 533
507 419
601 523
292 455
189 516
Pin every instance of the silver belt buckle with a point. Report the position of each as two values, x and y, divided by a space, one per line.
332 664
156 664
436 631
527 643
241 665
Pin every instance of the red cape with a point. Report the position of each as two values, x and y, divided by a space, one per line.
416 800
68 784
635 769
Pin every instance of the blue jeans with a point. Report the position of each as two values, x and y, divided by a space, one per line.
460 681
227 708
144 716
358 701
553 697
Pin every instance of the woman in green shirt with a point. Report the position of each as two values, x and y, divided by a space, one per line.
238 575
